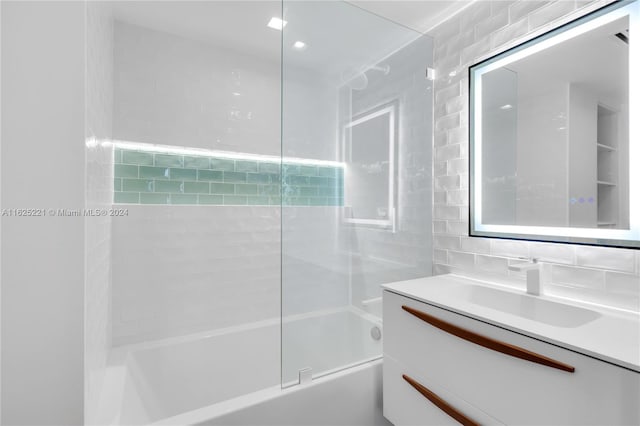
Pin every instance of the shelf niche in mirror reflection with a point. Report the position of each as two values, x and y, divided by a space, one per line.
552 143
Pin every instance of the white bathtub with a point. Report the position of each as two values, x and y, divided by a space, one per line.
232 376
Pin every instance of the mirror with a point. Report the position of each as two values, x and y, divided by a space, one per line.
369 144
552 134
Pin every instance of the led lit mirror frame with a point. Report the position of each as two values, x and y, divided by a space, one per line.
592 236
389 113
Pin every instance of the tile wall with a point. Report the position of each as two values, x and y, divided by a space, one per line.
195 267
379 256
143 177
594 274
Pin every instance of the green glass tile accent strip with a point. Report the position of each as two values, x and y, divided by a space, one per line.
144 177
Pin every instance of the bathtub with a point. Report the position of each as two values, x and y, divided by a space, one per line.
233 376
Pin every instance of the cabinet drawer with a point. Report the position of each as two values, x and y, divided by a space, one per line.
514 390
404 405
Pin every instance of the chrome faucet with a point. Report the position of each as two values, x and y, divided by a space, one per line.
532 268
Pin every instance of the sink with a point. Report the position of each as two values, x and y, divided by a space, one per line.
530 307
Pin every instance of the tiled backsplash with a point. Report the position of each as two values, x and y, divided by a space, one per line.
602 275
145 177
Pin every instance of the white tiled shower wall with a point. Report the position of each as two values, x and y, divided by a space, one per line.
98 195
183 269
595 274
380 256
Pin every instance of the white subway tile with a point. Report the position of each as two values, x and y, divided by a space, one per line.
456 104
440 168
464 150
476 245
606 258
457 228
464 181
461 260
448 242
457 166
458 197
445 93
499 6
492 264
472 53
454 45
439 256
447 122
509 34
499 20
479 11
508 248
522 8
553 252
439 197
446 212
447 152
459 135
448 64
440 137
440 269
550 12
625 284
577 277
447 183
464 214
439 226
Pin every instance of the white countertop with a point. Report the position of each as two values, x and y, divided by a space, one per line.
614 336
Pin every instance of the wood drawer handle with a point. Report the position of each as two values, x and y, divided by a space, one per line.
440 403
488 342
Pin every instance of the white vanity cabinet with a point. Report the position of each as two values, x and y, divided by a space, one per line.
485 374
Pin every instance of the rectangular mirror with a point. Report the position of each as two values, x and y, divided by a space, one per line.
553 137
369 151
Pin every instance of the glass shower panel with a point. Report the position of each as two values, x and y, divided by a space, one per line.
356 173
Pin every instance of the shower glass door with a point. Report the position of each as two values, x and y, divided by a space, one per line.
356 179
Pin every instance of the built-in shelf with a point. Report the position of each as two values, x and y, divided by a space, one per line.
607 143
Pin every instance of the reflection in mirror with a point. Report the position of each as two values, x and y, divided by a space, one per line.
550 135
369 153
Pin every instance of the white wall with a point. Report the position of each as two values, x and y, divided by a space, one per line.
603 275
542 188
42 167
175 91
98 195
182 269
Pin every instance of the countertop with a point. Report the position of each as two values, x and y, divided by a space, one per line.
614 336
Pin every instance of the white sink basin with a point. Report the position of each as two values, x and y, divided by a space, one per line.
608 334
530 307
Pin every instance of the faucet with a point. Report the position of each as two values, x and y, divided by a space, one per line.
532 268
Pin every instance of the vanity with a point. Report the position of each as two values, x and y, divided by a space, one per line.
461 351
553 155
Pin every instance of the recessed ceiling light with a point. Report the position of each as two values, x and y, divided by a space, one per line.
277 23
506 106
300 45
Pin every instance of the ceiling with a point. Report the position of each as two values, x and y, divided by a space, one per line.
419 15
341 37
235 25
